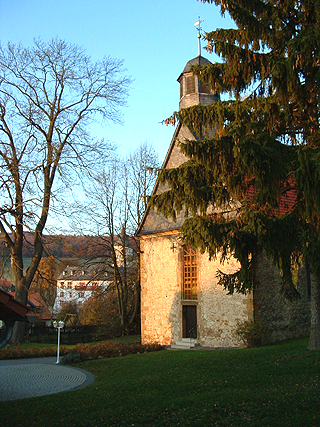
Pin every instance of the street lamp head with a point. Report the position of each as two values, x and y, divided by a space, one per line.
61 324
54 323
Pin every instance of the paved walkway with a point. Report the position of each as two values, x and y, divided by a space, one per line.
22 378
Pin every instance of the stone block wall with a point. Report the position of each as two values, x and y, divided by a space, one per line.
159 289
219 313
283 318
176 157
161 304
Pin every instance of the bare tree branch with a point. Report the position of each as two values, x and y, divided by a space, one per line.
48 95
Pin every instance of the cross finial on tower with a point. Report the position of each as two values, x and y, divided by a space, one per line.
197 24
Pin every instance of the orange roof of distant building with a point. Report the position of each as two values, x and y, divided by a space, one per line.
37 301
38 306
6 285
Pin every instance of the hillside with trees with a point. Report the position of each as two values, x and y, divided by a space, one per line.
62 246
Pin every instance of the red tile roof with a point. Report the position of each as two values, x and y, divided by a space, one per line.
6 285
37 306
286 203
11 308
37 301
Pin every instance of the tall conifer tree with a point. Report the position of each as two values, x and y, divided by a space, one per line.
256 158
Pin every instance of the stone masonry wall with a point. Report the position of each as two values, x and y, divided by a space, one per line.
177 157
283 318
155 222
161 304
159 290
218 312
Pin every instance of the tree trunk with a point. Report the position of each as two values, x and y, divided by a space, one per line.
314 341
21 294
19 332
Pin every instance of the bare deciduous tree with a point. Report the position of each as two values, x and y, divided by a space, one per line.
49 95
115 204
143 163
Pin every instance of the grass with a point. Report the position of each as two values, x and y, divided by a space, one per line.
128 339
28 345
268 386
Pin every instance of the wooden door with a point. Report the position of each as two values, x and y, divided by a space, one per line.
189 321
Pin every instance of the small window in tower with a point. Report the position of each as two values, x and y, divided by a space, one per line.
190 281
181 88
204 88
190 84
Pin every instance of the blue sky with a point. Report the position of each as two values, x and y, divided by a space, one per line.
155 39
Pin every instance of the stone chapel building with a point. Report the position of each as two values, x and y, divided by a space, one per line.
181 301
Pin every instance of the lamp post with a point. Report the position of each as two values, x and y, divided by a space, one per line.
58 325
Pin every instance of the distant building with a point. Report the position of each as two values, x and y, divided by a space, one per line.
11 311
7 286
36 305
77 284
40 308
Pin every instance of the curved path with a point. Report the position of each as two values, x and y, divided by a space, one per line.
24 378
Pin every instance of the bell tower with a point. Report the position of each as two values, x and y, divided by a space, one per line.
192 90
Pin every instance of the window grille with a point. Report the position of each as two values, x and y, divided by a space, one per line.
189 274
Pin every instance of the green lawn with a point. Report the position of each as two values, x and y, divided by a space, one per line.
269 386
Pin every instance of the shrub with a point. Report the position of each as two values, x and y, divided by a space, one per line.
106 349
79 352
71 357
13 352
253 334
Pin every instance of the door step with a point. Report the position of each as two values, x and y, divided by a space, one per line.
185 344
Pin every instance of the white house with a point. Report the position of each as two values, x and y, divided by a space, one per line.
77 283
